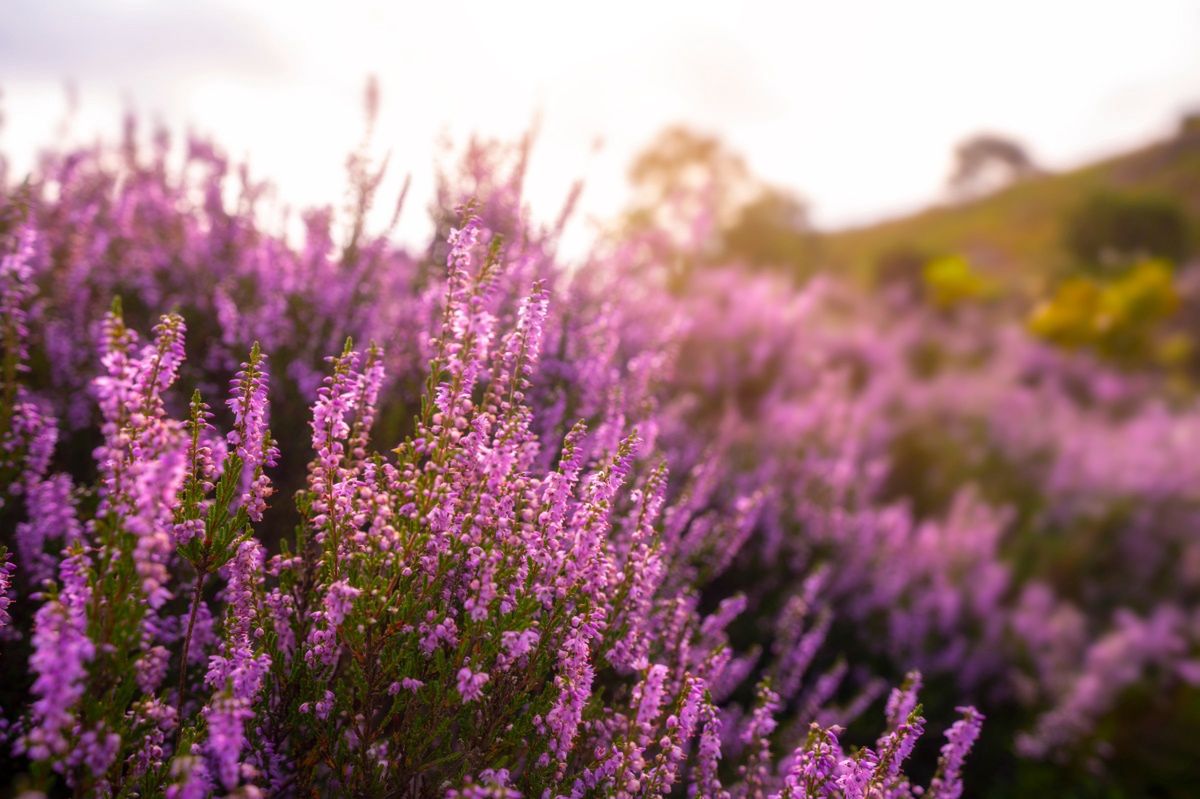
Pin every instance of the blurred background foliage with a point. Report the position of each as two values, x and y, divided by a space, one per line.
1099 260
1089 257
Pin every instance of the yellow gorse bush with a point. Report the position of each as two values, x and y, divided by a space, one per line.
1120 318
950 281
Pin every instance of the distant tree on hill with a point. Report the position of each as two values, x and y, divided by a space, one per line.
986 162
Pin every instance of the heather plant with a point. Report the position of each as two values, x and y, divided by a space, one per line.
451 619
542 529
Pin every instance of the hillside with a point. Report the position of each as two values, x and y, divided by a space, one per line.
1015 233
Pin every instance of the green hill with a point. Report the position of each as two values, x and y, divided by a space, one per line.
1015 234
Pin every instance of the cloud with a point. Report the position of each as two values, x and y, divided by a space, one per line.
124 42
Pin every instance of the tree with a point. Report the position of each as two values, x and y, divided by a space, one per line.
1109 231
681 160
771 230
987 161
691 186
688 184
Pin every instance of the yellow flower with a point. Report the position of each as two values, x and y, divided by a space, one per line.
950 280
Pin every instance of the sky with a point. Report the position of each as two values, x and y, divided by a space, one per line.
856 105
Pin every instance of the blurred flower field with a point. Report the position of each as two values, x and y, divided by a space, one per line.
291 510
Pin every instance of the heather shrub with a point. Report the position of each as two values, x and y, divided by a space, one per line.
322 515
985 519
460 614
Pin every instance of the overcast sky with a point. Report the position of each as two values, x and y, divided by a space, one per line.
855 104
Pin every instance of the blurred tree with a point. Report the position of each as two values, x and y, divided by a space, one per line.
986 162
683 161
689 185
1110 231
692 187
772 230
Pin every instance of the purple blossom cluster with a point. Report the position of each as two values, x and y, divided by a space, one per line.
486 524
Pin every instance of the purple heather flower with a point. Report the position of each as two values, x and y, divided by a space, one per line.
816 768
7 568
61 652
649 695
236 675
16 288
249 438
50 506
903 700
516 645
322 639
470 684
490 784
961 736
191 777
